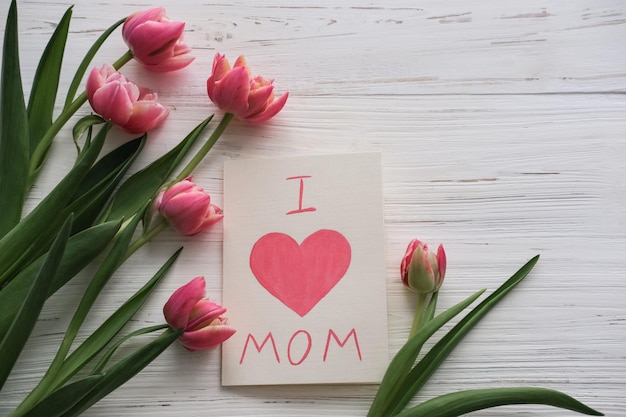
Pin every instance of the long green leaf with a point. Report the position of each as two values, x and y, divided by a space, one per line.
96 189
24 322
111 327
144 184
84 64
404 359
105 271
84 124
109 165
45 219
14 157
63 399
100 182
124 370
81 249
46 83
104 359
431 361
458 403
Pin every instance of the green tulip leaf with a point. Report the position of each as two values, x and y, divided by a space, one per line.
17 245
82 68
14 155
96 189
403 360
459 403
83 125
63 399
24 321
81 249
420 374
105 271
99 339
143 185
101 181
46 83
124 370
109 165
104 360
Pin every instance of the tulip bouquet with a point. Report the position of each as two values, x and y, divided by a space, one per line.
97 211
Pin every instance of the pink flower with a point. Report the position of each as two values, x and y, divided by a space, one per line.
422 270
188 309
155 41
235 91
187 208
117 99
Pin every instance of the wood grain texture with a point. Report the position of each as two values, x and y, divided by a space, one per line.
501 126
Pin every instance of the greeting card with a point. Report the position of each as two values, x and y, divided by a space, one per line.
304 273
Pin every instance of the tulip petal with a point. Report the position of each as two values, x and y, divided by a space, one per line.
213 215
441 262
186 204
187 208
203 313
207 337
406 260
95 80
221 66
153 42
146 115
270 111
182 301
258 101
137 18
241 62
171 64
180 187
112 102
231 92
186 220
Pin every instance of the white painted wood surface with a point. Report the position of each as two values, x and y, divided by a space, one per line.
501 126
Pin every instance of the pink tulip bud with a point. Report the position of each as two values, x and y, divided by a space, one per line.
117 99
187 208
235 91
188 309
422 270
155 41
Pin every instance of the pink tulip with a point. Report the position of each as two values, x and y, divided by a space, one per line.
188 309
422 270
117 99
187 208
155 41
235 91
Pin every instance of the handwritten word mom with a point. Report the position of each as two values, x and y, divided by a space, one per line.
296 359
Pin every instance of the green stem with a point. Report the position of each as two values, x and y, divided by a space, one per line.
49 383
42 390
123 60
145 238
107 356
43 146
432 306
420 310
195 161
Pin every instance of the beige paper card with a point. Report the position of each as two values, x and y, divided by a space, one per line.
304 272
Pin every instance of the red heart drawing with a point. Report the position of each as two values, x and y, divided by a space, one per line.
300 275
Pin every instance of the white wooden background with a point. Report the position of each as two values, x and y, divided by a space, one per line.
501 126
